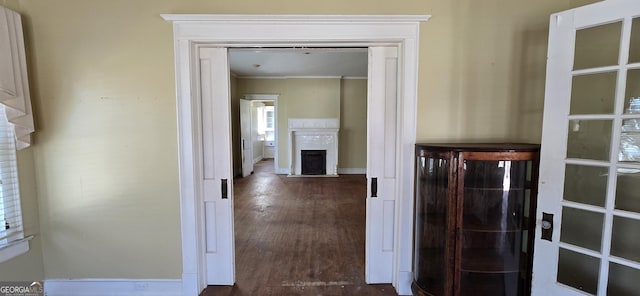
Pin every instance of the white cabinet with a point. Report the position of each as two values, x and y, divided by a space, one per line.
269 149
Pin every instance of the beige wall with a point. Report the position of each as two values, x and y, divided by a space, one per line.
103 93
353 124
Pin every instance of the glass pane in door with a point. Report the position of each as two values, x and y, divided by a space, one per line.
593 93
589 139
581 228
634 51
597 46
623 280
578 271
632 93
628 190
585 184
625 238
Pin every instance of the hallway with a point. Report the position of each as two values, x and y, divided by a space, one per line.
299 236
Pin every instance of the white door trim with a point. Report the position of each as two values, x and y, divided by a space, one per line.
289 31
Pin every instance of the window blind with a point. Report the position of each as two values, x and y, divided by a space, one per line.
11 228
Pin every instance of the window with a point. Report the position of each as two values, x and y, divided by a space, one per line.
268 115
265 119
11 230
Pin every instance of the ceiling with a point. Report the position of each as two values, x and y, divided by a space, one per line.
298 62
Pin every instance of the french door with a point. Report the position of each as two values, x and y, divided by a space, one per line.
588 238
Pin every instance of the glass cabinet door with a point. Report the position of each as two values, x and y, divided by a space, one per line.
494 228
432 254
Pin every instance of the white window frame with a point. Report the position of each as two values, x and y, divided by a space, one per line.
14 244
266 110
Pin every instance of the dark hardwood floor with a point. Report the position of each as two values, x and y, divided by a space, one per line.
299 236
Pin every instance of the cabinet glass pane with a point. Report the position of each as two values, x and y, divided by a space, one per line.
510 284
495 174
634 50
431 224
491 251
589 139
628 190
491 210
493 230
581 228
578 271
623 280
632 94
597 46
585 184
594 93
625 238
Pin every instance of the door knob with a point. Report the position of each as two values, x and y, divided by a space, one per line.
547 226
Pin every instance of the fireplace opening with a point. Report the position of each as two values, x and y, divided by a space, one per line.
314 162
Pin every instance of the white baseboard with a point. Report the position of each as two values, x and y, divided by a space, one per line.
113 287
255 160
190 284
282 171
404 283
352 171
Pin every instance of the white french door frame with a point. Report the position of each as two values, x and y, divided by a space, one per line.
554 159
194 31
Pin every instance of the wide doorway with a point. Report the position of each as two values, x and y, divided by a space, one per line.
299 232
205 156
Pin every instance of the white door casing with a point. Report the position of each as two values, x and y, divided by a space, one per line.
217 168
193 31
552 198
381 163
246 139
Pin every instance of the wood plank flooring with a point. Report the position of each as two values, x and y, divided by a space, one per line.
299 236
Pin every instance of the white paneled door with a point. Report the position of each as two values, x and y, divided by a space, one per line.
381 164
588 231
217 170
246 141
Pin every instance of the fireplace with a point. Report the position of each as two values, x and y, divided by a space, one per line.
314 162
313 135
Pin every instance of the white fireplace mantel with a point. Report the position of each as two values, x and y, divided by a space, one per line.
313 134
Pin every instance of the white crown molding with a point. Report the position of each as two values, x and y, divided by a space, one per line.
113 287
284 18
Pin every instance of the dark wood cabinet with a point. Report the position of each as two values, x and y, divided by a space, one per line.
474 216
